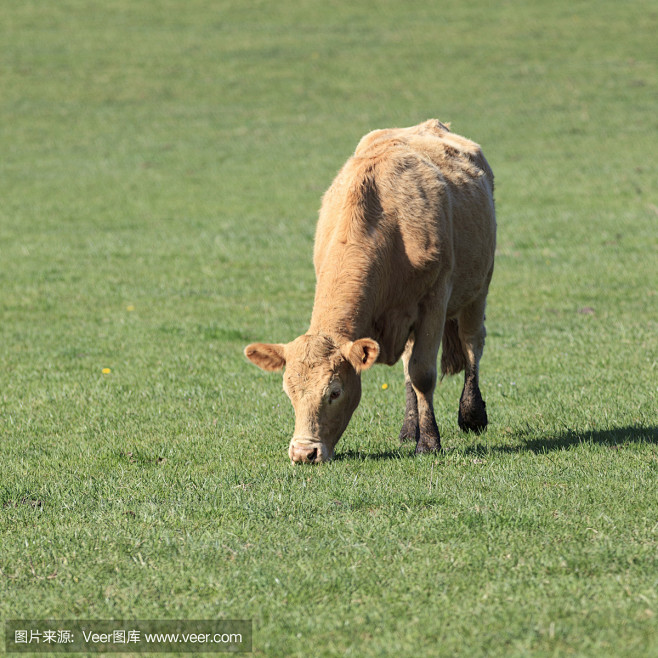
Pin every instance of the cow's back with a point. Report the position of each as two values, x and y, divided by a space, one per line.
469 226
412 210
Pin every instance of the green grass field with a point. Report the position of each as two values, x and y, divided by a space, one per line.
162 166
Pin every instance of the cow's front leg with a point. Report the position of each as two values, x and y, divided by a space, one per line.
422 372
410 430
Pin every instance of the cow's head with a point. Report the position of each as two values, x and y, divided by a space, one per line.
323 381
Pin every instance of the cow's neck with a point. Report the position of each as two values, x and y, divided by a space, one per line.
348 307
342 306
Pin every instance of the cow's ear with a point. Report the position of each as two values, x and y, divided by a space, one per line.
268 356
361 353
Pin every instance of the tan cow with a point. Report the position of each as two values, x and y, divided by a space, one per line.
404 253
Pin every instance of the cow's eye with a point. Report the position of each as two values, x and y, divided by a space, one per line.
334 395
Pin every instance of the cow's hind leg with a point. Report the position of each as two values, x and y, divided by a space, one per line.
422 373
472 409
410 430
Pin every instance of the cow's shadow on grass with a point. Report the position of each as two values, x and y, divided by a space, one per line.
402 452
612 438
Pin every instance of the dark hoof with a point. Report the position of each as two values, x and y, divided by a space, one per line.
429 439
474 420
472 409
409 432
428 447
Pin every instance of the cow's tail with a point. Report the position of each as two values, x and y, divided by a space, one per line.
453 359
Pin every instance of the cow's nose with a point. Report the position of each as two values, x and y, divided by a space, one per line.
303 454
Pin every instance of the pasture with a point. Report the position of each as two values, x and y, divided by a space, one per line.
162 166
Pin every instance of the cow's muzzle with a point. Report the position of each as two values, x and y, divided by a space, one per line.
308 452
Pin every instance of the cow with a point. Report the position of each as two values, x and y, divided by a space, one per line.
403 256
